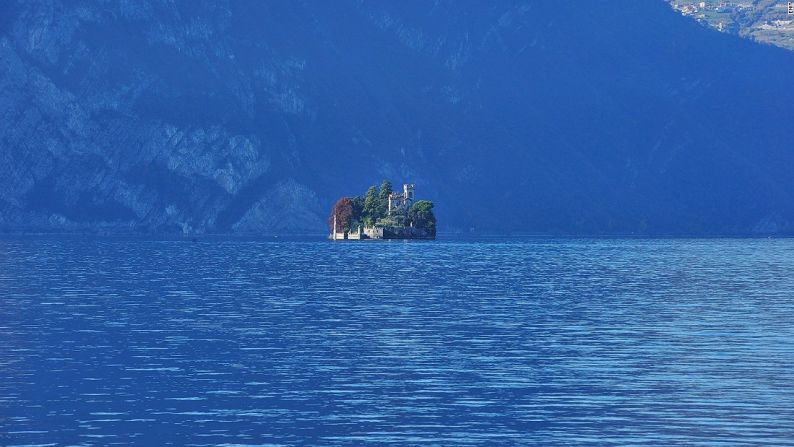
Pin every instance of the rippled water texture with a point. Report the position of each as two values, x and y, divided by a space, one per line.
531 342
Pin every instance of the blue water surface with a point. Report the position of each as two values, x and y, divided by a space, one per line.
496 342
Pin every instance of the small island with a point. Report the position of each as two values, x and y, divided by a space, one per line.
382 214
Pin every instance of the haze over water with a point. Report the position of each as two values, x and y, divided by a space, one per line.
509 341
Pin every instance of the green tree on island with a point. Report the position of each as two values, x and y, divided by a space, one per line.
383 198
420 215
371 205
357 208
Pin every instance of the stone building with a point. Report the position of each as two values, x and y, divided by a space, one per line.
400 202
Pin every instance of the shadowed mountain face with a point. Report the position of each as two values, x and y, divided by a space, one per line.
610 117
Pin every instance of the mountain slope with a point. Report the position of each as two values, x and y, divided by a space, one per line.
254 117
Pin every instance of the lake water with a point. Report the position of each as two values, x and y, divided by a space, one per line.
499 342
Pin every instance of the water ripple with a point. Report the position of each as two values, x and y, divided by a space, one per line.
528 342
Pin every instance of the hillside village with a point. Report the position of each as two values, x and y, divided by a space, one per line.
766 21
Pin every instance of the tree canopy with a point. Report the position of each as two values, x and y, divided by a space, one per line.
343 211
371 206
383 197
420 215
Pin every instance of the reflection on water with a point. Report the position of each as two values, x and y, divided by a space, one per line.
532 342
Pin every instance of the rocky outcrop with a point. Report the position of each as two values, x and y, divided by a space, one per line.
285 207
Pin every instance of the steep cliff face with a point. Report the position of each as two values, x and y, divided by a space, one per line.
255 116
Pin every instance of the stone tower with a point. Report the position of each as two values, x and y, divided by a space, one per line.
400 202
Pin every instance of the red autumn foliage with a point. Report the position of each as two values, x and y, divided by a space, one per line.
343 210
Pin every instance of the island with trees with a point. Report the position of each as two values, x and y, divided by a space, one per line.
382 214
